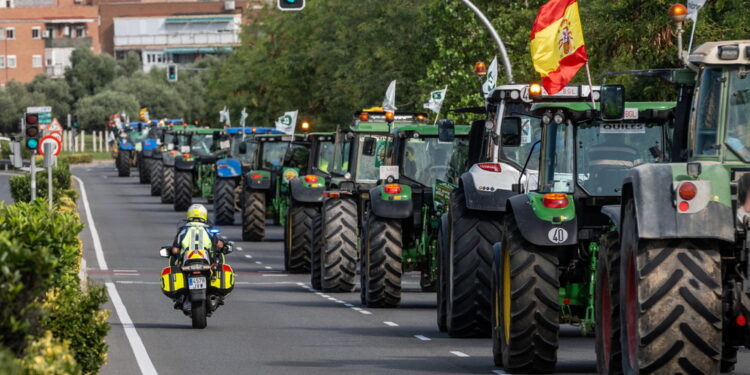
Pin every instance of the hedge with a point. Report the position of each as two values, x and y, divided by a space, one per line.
20 185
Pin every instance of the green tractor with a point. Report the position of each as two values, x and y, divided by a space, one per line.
305 197
545 267
676 295
278 160
193 166
405 209
359 152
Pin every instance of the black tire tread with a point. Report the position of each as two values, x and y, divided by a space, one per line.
253 215
298 238
183 190
155 167
609 264
123 164
167 184
339 246
224 201
384 263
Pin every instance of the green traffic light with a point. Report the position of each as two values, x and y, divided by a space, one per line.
32 143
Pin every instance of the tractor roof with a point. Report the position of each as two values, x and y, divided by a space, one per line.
585 106
521 93
728 52
252 130
280 137
432 130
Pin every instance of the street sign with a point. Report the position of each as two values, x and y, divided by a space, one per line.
57 145
38 109
45 118
55 126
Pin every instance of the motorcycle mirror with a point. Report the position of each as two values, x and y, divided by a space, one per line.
164 252
228 249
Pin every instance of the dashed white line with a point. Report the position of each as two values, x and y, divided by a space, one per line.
423 338
348 305
365 312
268 267
125 271
258 262
459 354
249 256
356 309
390 324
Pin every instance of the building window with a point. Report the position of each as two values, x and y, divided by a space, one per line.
80 32
50 33
36 32
36 61
10 33
2 62
12 61
9 3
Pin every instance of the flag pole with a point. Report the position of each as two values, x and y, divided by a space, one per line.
591 86
437 116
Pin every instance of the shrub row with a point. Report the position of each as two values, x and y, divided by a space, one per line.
20 185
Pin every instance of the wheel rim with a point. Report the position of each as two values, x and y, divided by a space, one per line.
506 294
631 311
606 319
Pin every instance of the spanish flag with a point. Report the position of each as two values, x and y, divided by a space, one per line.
557 46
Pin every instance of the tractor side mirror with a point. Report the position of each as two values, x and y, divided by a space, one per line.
612 102
243 148
164 251
446 130
368 148
511 131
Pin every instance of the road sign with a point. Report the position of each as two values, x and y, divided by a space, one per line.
55 126
57 145
45 118
38 109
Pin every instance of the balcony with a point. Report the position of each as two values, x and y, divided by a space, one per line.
67 42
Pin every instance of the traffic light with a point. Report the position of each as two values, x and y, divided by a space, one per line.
32 131
74 122
172 73
291 4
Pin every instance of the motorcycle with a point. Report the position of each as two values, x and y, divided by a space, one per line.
198 281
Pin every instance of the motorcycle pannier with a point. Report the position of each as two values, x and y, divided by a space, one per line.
223 282
172 281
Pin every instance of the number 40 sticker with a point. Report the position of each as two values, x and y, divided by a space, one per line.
557 235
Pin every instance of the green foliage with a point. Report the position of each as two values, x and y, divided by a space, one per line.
20 185
129 65
88 72
93 111
14 99
162 100
77 158
48 355
56 94
9 364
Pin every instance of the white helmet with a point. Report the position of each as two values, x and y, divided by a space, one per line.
197 212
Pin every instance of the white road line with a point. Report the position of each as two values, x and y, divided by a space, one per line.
460 354
125 271
258 262
141 355
268 267
137 282
356 309
302 284
274 274
340 301
324 295
423 338
348 305
249 256
390 324
499 372
126 274
92 227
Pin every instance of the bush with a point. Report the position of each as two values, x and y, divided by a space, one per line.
49 355
20 185
77 158
9 364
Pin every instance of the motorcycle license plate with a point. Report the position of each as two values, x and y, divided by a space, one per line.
197 283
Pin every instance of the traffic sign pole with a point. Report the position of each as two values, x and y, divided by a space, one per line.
32 170
47 147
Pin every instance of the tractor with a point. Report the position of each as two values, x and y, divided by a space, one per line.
193 167
545 266
176 141
405 209
151 155
359 152
128 146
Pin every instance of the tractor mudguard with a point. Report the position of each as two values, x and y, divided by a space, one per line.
540 232
400 208
258 180
306 194
484 198
651 187
167 160
125 145
181 164
149 145
147 153
613 213
228 168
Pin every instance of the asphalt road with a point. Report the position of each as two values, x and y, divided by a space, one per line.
272 323
5 188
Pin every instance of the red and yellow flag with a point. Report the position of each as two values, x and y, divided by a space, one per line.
557 46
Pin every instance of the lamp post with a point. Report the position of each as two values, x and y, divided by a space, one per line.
495 36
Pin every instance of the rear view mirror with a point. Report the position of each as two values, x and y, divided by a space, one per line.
164 252
612 102
511 131
368 148
446 130
243 148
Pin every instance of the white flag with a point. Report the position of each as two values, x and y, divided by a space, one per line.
243 117
389 103
491 81
693 7
288 122
224 117
436 100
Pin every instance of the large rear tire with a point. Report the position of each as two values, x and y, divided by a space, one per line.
198 314
383 263
167 184
143 169
469 283
607 307
670 303
529 303
339 245
442 285
316 252
224 201
183 190
253 215
123 163
155 180
298 238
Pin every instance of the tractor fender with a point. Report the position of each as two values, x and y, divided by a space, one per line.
651 188
613 213
147 153
181 164
390 209
540 232
167 159
489 191
228 168
262 183
306 194
149 145
125 145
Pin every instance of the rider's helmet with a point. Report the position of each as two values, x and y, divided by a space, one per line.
198 213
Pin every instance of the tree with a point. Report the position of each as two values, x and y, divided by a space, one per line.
56 94
14 99
152 91
89 73
129 65
93 111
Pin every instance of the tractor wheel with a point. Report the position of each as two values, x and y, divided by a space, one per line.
670 303
123 163
528 306
253 215
468 281
442 249
384 264
339 245
224 201
183 190
143 176
298 238
607 307
155 172
167 184
363 268
316 252
198 314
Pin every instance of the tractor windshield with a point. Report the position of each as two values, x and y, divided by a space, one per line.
368 167
341 156
250 147
531 132
137 135
201 144
427 159
738 115
299 155
557 165
325 156
273 155
607 150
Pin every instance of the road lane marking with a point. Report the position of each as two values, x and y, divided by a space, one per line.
141 355
268 267
365 312
125 271
423 338
499 372
249 256
348 305
92 228
274 274
258 262
390 324
460 354
137 282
